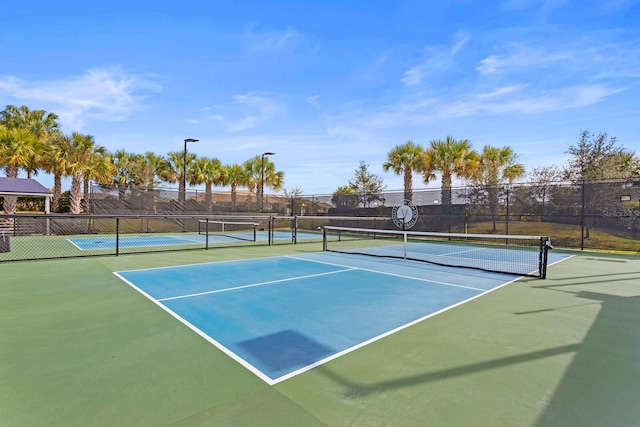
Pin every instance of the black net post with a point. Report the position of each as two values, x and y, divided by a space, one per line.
324 239
206 233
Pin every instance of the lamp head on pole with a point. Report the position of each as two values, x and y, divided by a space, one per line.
191 140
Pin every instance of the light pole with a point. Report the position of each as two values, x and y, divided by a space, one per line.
184 169
268 153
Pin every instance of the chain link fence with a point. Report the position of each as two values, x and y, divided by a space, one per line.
593 215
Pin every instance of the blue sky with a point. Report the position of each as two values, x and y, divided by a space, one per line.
326 84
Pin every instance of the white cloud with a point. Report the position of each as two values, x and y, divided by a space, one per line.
271 41
100 94
313 101
437 59
521 56
247 111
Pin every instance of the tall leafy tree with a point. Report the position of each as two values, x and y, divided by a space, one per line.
404 160
262 175
598 156
207 171
367 185
450 157
345 197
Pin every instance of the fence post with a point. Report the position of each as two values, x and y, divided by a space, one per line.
117 236
582 217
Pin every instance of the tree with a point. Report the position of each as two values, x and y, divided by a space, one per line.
345 197
367 186
42 125
262 175
405 159
593 158
451 157
17 147
174 170
207 171
295 195
146 169
81 159
99 168
234 175
497 166
122 166
54 161
598 157
543 182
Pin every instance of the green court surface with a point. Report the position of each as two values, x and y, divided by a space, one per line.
79 347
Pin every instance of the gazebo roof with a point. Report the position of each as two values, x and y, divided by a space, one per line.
22 187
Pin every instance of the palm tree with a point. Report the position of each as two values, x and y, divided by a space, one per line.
99 168
54 160
17 147
42 125
234 175
405 159
208 172
146 169
174 170
262 173
449 157
497 166
121 166
82 152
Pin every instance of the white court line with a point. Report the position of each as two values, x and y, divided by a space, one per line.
390 274
204 335
290 279
386 334
78 247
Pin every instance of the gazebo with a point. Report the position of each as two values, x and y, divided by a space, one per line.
25 187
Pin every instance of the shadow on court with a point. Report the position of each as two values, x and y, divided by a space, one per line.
602 384
600 381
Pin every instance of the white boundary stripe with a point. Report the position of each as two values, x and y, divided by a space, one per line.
259 373
253 285
386 334
78 247
391 274
201 263
221 347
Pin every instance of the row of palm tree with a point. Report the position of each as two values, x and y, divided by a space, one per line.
454 158
32 140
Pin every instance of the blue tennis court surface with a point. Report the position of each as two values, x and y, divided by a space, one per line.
126 241
281 316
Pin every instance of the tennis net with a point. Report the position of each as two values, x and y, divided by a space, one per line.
521 255
241 230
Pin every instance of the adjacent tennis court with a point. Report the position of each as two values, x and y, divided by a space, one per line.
100 242
281 316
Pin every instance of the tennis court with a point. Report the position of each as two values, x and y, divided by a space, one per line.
291 335
282 316
101 242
